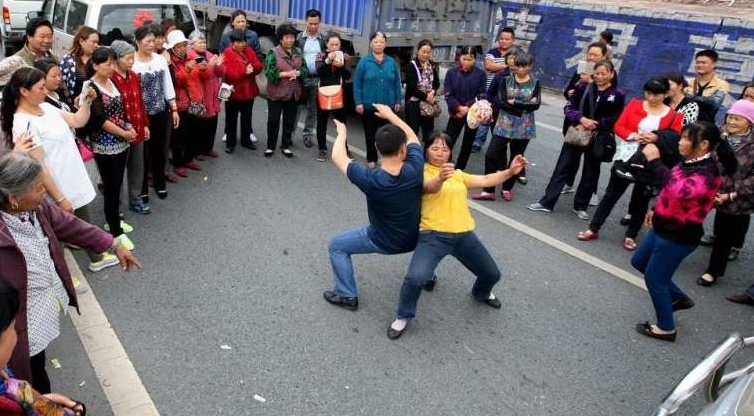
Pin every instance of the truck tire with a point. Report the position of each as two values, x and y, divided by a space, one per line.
267 43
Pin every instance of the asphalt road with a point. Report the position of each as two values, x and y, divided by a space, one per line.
237 256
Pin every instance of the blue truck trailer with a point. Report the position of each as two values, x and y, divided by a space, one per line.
447 23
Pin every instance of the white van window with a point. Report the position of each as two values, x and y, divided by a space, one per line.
58 14
118 21
76 16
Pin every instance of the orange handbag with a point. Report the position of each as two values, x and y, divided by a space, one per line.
331 97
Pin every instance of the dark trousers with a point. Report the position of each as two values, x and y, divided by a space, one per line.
416 121
111 170
40 381
154 152
206 130
637 207
286 109
183 143
496 158
431 249
371 124
232 110
730 231
323 116
568 165
658 258
454 131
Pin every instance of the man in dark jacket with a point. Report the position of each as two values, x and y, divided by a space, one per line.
311 43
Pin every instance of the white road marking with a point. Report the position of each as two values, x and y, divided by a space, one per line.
539 235
115 372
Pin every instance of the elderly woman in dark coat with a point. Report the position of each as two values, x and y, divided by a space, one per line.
31 259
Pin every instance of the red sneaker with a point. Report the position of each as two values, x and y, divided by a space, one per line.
193 166
212 153
201 158
181 172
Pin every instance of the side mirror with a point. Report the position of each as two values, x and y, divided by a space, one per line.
34 15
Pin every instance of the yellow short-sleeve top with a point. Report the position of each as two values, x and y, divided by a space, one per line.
446 211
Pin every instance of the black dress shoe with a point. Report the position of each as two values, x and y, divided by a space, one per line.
394 333
680 304
249 145
495 302
706 283
742 298
430 285
625 221
646 330
345 303
229 149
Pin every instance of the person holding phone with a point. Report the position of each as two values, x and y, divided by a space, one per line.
332 70
212 104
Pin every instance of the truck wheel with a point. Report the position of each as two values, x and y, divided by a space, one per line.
267 43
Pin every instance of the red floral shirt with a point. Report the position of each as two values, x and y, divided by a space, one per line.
130 88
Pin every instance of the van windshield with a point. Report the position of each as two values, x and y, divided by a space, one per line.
119 21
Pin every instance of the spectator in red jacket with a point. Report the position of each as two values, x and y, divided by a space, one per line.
639 124
130 88
241 66
212 104
190 76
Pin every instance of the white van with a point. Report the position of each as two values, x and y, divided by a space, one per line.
113 19
13 28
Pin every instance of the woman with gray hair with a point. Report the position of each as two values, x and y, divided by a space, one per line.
207 126
31 259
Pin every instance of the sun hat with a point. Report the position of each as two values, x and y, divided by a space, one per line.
174 38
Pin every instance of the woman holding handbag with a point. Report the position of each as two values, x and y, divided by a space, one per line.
422 83
517 98
332 71
593 108
638 124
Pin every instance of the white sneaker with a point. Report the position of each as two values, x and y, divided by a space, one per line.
253 138
583 215
225 138
567 190
79 286
537 207
108 260
594 201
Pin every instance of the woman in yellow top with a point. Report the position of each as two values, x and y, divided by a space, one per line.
447 228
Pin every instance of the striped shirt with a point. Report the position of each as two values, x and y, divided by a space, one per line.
498 58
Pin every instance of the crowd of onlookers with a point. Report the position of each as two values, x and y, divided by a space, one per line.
146 110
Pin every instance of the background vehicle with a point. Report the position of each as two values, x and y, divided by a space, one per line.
12 30
113 19
728 394
447 23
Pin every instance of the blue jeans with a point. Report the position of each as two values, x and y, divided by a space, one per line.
481 134
355 241
431 249
658 258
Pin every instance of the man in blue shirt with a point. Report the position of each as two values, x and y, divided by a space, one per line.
393 193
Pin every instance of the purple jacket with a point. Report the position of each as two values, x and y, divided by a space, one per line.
58 226
463 88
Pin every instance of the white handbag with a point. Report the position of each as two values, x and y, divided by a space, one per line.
225 91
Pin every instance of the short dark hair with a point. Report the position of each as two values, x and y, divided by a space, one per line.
678 78
9 304
46 64
99 56
285 29
601 45
237 35
155 29
435 136
389 139
723 152
506 30
524 59
709 53
743 90
607 36
142 32
375 34
236 13
34 24
468 50
657 85
313 13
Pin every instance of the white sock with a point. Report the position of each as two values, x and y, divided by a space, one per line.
491 296
399 324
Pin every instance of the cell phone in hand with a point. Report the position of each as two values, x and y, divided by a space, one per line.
199 59
585 67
